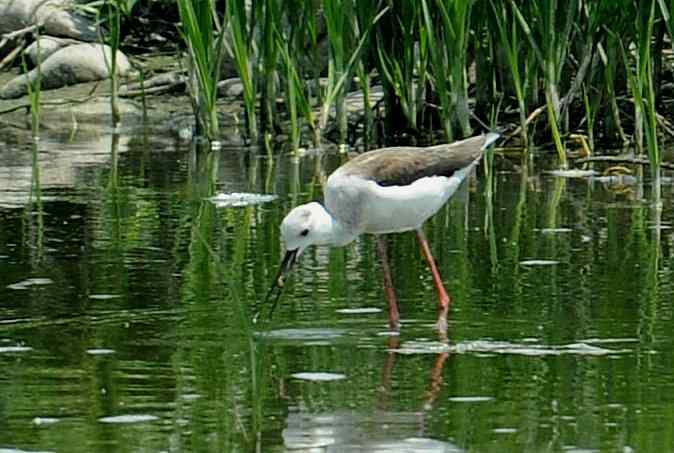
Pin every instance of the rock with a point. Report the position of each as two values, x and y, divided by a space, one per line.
231 88
41 49
68 66
91 113
158 84
56 17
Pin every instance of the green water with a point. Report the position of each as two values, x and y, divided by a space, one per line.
125 292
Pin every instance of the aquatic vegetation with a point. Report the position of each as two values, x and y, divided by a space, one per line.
555 67
109 16
206 52
240 46
34 95
113 11
390 72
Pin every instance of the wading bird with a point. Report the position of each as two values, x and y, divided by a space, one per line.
382 191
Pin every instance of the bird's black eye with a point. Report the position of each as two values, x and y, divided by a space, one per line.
304 232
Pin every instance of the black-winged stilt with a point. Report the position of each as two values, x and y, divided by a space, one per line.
386 190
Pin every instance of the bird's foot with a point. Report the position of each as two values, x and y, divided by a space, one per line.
394 325
441 323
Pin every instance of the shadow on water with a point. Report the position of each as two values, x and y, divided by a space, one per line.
127 294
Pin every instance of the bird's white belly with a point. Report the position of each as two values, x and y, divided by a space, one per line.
363 206
396 219
401 208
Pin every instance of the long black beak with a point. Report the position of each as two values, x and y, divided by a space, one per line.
279 282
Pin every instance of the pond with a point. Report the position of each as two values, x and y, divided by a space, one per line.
126 298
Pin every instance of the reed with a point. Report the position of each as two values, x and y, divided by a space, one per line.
35 206
199 24
35 93
110 14
337 85
550 65
336 14
646 82
270 12
300 32
610 58
438 61
509 39
297 100
402 50
113 11
638 64
455 19
550 49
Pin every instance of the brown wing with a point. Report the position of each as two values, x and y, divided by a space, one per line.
399 166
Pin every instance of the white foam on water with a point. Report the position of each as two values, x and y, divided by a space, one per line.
41 421
309 334
503 347
25 284
358 311
555 230
238 199
129 418
538 263
100 351
6 349
573 173
318 376
16 450
470 399
504 430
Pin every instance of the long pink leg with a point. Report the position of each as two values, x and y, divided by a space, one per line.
443 297
393 313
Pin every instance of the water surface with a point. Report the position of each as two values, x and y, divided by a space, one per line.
126 299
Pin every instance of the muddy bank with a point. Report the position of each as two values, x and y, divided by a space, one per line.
85 107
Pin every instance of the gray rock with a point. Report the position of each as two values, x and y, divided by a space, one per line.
41 49
68 66
57 18
157 84
92 113
231 88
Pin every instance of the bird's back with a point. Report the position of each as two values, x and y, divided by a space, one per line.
402 165
398 188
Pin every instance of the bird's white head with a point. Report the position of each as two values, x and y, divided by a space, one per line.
305 225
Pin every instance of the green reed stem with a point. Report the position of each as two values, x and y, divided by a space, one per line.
35 92
206 52
509 39
336 15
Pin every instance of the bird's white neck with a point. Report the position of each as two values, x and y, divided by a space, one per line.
328 230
